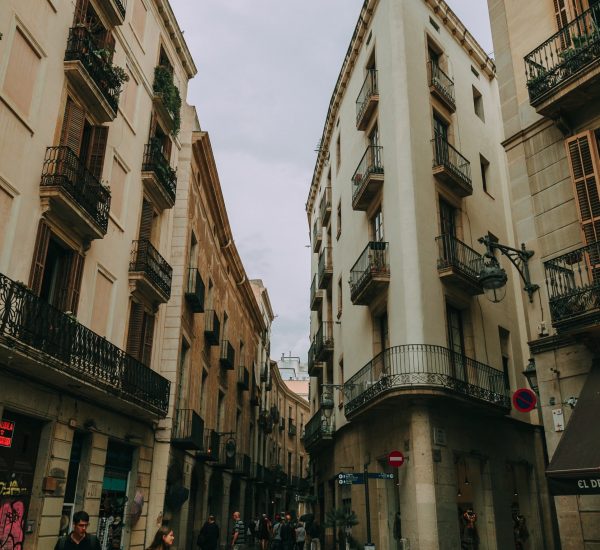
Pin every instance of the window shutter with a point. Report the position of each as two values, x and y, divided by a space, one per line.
582 153
39 257
74 276
134 332
97 150
80 12
167 148
146 220
72 129
148 338
561 14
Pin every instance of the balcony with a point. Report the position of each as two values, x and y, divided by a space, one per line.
317 235
368 178
210 446
441 86
451 168
325 206
92 75
149 273
160 180
45 345
563 73
188 431
212 327
114 10
325 267
243 378
316 295
70 191
313 364
194 290
459 265
227 355
167 99
370 275
425 370
367 100
292 430
573 283
318 432
323 341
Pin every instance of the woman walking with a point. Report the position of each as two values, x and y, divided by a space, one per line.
300 536
264 532
163 540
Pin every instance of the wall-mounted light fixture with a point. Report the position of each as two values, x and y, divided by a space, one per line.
530 373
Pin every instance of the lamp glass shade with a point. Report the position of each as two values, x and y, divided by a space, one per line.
531 375
327 405
493 281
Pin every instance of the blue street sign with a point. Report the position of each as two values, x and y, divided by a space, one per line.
359 479
380 475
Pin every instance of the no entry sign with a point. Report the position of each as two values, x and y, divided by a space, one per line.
524 400
395 459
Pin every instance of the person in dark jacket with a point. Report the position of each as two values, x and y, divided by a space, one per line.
208 539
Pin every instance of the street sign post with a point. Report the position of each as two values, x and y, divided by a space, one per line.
395 459
524 400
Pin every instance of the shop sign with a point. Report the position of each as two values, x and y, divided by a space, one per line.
7 428
574 486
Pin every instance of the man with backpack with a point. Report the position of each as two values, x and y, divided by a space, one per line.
276 542
288 533
78 538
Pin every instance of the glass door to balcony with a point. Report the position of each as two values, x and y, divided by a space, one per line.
456 342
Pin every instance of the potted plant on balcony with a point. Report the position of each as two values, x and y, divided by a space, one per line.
169 93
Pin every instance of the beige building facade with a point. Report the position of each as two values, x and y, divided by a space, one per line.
89 124
406 353
548 74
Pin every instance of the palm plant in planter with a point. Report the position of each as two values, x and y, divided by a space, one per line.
166 89
343 520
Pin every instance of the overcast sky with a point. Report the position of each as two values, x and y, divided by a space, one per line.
266 71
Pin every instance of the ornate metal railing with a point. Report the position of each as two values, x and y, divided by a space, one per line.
155 161
122 5
317 428
29 323
325 205
325 263
194 290
63 168
564 54
456 254
81 47
447 156
372 261
441 82
426 366
573 283
146 259
188 430
367 91
370 163
323 340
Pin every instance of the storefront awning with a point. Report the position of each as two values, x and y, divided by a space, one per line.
575 466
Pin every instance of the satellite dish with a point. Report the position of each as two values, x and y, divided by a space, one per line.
230 448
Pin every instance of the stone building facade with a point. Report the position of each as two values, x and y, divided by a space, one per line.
406 353
548 74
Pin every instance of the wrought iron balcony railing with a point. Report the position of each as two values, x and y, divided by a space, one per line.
212 327
429 367
370 163
368 90
227 356
325 206
63 168
27 322
447 156
122 4
82 47
243 379
442 83
573 283
323 340
565 54
156 162
291 427
194 291
325 267
146 259
188 430
318 429
373 262
454 253
315 297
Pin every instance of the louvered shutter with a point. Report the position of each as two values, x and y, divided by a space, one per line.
134 332
148 338
561 14
167 148
146 220
39 257
80 12
72 129
70 302
108 43
97 150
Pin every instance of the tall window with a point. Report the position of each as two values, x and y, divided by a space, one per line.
338 152
440 127
339 298
456 337
339 219
447 218
377 226
484 165
478 103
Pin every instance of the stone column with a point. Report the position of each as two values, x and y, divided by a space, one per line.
424 481
226 512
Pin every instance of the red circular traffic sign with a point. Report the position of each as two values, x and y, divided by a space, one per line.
395 459
524 400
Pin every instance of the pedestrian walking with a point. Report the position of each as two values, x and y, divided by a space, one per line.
78 538
238 537
250 532
288 533
163 539
300 536
265 531
315 535
276 541
208 538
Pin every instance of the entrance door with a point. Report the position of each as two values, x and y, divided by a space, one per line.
456 341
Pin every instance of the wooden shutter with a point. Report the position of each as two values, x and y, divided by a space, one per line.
40 253
72 129
148 337
561 14
582 154
167 148
97 150
73 288
134 332
80 12
146 220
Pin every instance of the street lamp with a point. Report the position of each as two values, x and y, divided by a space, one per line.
493 278
531 375
327 403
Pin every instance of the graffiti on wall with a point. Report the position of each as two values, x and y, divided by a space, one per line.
12 522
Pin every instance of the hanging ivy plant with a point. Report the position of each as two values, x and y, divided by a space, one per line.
164 86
